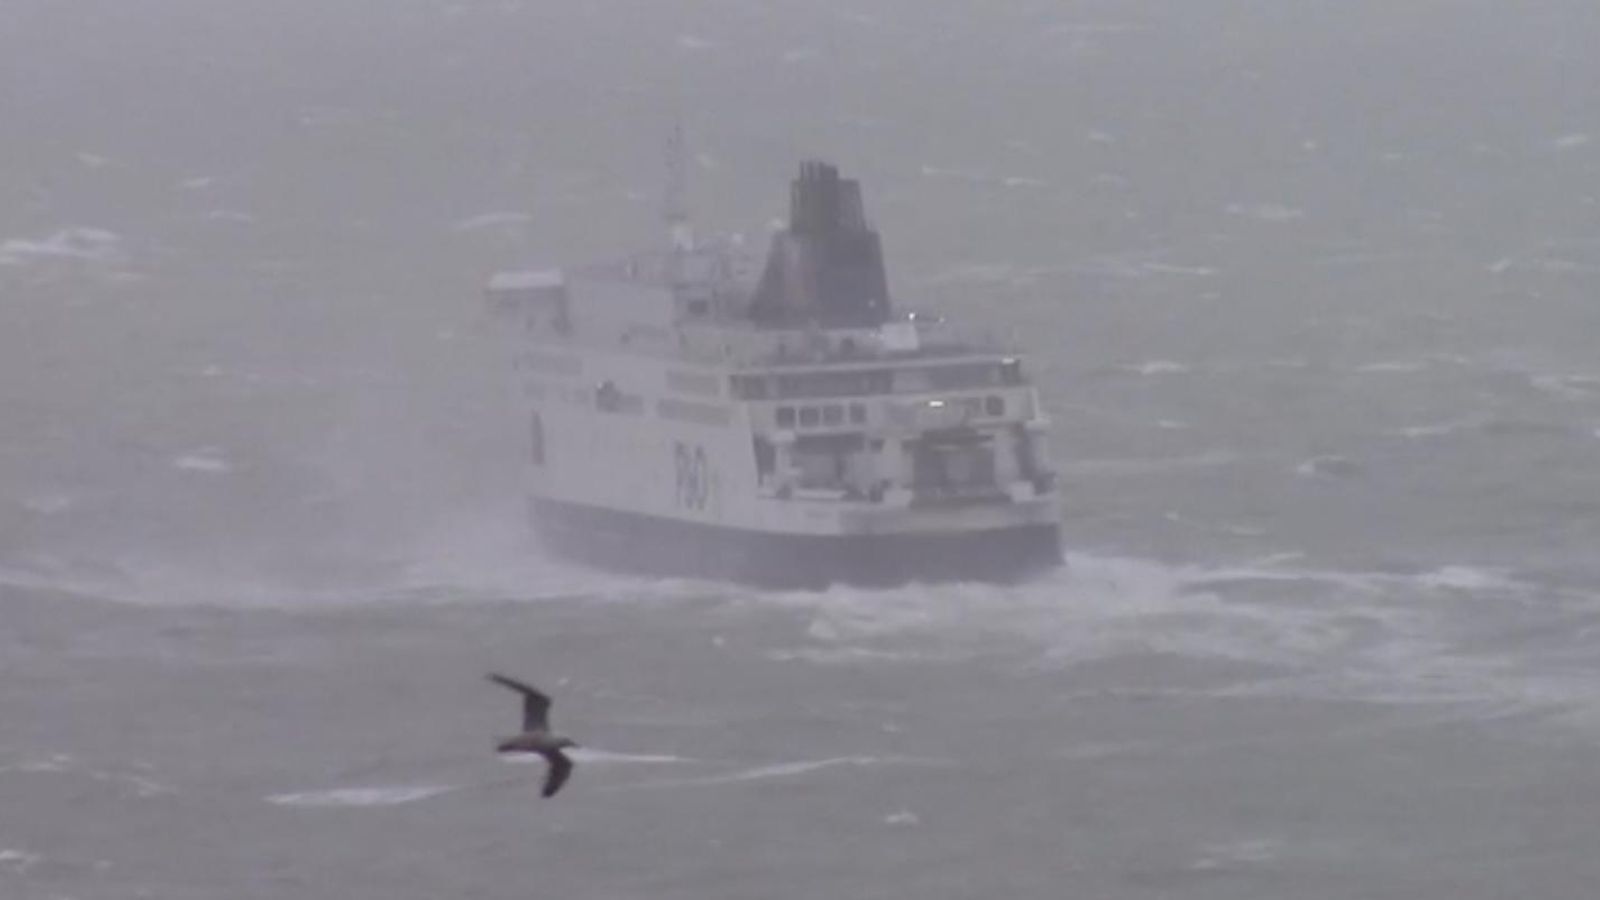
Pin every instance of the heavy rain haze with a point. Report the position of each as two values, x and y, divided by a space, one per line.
1311 291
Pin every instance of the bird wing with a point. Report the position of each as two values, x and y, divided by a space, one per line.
535 705
560 770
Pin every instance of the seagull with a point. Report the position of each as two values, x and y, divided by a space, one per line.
536 736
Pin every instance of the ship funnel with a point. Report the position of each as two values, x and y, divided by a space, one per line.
826 268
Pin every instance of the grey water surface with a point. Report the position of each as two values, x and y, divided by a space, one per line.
1312 291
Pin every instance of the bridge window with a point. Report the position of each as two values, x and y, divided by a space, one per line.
994 406
809 417
785 417
749 387
833 384
694 383
858 413
833 415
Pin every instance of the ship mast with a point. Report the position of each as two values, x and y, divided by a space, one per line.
675 202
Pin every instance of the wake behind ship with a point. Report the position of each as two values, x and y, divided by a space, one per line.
691 413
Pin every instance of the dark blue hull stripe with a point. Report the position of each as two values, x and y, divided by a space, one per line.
653 545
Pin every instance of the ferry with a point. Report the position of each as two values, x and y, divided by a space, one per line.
700 412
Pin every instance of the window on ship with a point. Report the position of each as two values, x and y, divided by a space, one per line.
952 463
766 458
831 462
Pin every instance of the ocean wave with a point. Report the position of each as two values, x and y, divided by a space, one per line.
1567 386
139 783
207 460
1328 466
1394 367
592 756
491 220
1273 626
18 861
363 797
1265 212
1441 429
779 771
1157 367
79 243
1122 467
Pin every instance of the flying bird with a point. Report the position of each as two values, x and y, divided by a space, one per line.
536 736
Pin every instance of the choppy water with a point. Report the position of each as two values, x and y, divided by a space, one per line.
1310 287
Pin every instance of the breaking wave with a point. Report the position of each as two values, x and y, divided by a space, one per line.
359 797
778 771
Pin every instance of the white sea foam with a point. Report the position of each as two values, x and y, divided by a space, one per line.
1555 265
590 756
1234 854
1395 367
1376 637
1566 386
208 460
1160 268
1328 466
1159 367
1125 468
694 43
1466 578
142 785
1265 212
1441 429
1010 181
362 797
1362 258
491 220
48 504
78 243
779 771
18 861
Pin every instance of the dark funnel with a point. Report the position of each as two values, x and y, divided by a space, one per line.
826 268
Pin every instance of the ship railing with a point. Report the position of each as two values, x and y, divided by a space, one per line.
749 346
927 495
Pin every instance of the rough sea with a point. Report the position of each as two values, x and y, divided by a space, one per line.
1312 291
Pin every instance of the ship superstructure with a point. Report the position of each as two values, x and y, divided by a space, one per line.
697 412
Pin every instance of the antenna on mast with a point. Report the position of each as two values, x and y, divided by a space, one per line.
675 204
